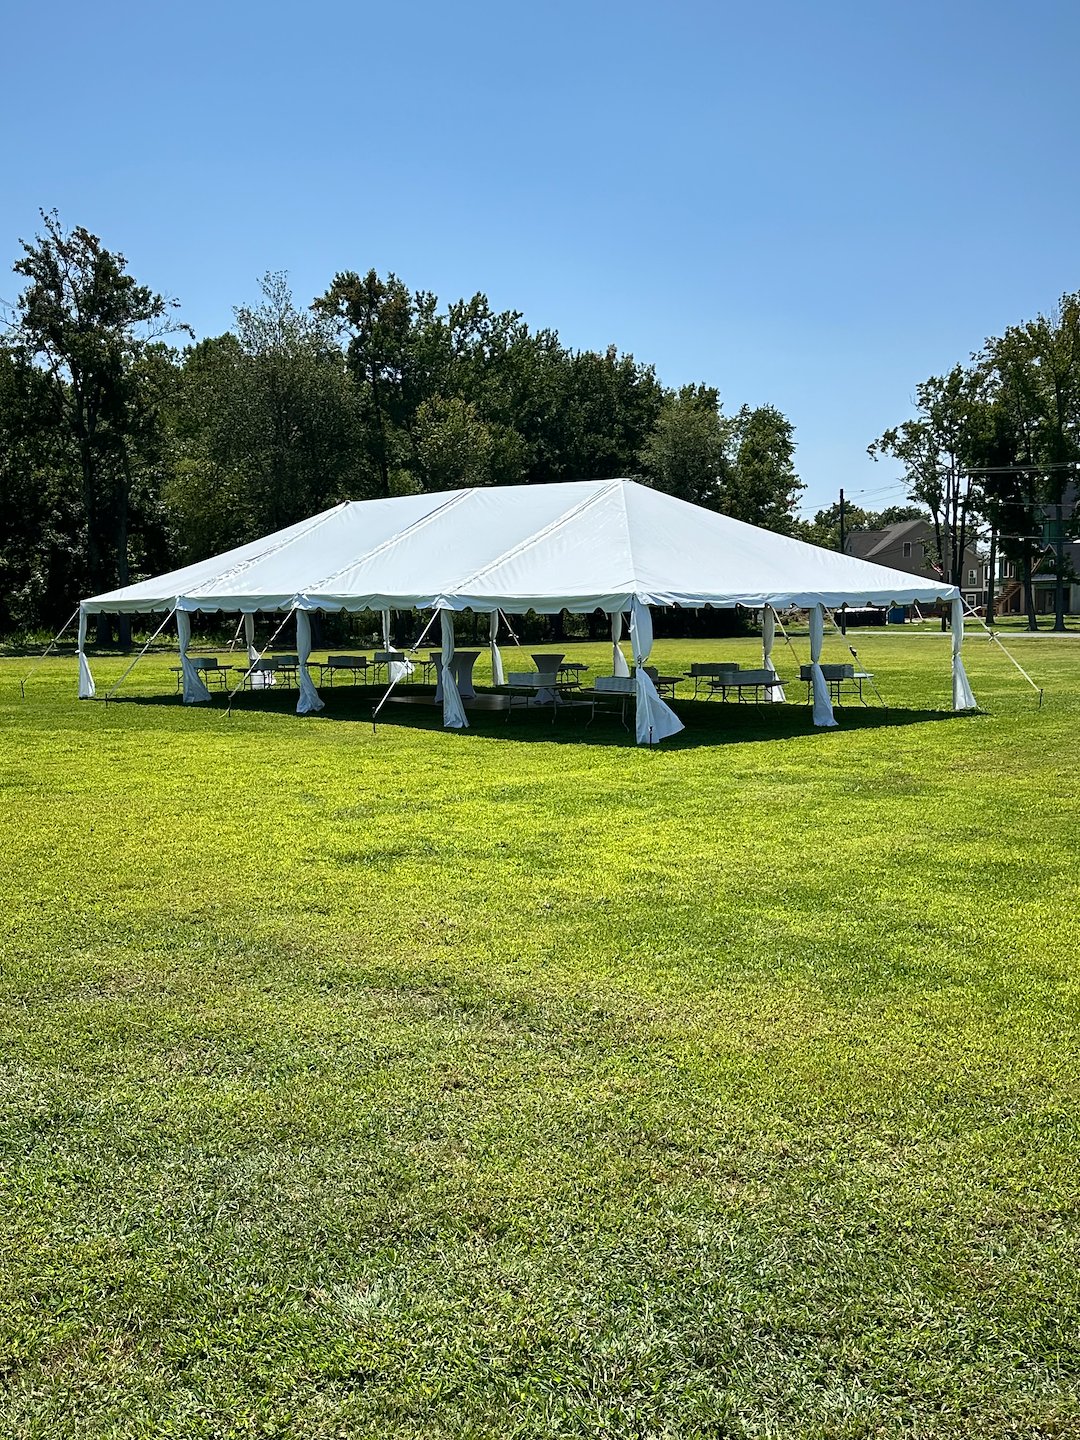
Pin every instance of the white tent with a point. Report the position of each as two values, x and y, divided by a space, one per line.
608 544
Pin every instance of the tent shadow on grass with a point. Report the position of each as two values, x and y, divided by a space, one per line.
708 723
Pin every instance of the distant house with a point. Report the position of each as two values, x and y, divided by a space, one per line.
1009 592
909 546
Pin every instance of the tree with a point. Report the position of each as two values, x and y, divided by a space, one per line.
40 564
86 325
1035 372
685 454
938 450
760 485
378 317
269 427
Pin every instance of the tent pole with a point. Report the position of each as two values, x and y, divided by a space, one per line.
46 651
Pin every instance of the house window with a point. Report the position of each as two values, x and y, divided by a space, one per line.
907 549
973 577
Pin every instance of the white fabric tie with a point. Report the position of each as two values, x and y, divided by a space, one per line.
768 635
618 659
399 669
195 690
823 710
87 689
309 702
452 708
962 698
496 658
655 721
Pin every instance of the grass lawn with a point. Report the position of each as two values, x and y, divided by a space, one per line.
526 1083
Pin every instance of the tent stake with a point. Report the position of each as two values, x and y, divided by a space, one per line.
877 692
970 610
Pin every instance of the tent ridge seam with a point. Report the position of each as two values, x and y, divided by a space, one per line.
242 565
391 540
536 538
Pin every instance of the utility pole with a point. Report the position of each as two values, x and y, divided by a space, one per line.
843 537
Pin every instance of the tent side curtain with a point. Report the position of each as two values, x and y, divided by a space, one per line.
87 688
195 691
654 720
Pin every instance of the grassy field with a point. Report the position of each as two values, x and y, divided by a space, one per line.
526 1083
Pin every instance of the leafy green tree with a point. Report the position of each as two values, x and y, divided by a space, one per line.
86 325
760 485
1035 372
378 317
268 424
938 449
686 453
40 521
453 445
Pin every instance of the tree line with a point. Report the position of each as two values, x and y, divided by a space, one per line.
128 447
993 451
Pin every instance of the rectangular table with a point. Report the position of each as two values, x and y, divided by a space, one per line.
205 670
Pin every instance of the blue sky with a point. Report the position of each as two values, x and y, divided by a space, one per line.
814 205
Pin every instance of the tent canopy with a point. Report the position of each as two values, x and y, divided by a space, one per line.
577 546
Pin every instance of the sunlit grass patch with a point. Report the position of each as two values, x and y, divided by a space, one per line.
526 1082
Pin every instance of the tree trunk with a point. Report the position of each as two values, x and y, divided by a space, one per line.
1059 561
123 622
991 579
1029 593
384 467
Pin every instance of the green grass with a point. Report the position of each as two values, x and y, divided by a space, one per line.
526 1083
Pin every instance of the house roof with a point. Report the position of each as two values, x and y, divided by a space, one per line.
868 543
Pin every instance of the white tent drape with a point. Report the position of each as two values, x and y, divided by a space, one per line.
618 659
823 711
768 635
87 689
452 708
399 669
195 690
655 720
962 698
309 702
497 677
249 638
